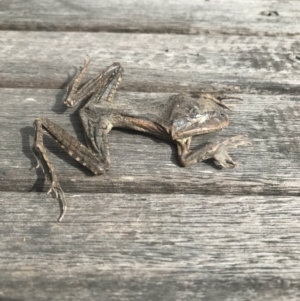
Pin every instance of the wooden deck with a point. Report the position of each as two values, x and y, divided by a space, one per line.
150 229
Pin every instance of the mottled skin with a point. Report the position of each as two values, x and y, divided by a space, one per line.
177 119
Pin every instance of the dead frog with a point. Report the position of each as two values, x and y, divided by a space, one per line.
176 119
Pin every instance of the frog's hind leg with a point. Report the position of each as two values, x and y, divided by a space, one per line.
106 84
72 146
96 129
103 86
216 150
96 124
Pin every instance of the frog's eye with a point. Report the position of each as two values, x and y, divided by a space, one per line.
194 113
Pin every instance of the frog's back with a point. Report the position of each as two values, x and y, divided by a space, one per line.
133 105
162 110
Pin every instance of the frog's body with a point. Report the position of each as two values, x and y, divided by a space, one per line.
177 118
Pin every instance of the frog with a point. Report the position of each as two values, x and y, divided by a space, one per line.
177 119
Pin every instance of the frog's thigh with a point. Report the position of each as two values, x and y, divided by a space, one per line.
96 129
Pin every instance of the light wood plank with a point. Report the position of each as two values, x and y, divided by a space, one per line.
152 62
247 17
144 247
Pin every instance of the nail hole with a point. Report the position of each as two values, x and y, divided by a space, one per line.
270 13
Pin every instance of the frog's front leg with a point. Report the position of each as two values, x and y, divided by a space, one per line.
215 150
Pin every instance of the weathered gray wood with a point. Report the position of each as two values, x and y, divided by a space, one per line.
153 63
166 233
145 164
149 247
248 17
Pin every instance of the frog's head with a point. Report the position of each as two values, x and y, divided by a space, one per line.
197 116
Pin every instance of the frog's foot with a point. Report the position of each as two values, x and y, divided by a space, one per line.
57 193
221 156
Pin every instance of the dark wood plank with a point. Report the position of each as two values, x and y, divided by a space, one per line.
149 247
153 63
248 17
144 164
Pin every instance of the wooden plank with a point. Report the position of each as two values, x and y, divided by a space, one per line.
156 63
149 247
148 229
143 164
248 17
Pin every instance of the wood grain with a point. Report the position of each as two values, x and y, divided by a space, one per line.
149 229
251 17
144 247
144 164
153 63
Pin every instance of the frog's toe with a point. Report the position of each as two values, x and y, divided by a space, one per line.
223 160
221 156
57 193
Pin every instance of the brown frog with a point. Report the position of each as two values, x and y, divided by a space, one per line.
177 119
